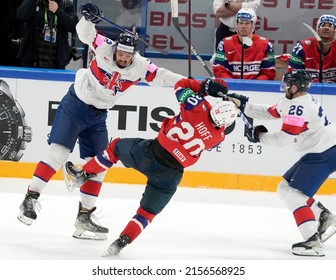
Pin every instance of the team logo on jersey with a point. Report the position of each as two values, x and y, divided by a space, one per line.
185 94
307 42
108 41
112 81
295 59
220 56
179 155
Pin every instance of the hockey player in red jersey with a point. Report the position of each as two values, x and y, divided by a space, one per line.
254 60
179 144
306 53
306 127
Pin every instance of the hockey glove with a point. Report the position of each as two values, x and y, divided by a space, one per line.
215 87
252 134
238 99
90 11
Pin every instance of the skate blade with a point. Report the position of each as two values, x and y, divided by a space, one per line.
318 252
331 230
67 179
89 235
27 221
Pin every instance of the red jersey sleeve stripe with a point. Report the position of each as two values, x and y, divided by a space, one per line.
294 130
273 111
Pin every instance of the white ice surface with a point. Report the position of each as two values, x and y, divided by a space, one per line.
198 226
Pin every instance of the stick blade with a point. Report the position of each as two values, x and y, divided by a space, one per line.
175 22
318 38
67 179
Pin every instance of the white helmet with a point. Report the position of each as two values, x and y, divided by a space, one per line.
224 113
246 14
326 18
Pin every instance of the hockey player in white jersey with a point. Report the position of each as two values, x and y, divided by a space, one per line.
82 115
306 127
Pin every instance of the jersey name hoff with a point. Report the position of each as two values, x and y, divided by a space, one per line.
191 132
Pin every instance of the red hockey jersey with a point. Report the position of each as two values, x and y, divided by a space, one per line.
259 60
188 134
305 55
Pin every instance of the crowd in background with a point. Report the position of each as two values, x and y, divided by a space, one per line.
38 33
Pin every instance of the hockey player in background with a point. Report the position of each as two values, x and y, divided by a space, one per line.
179 144
306 53
306 127
245 55
82 115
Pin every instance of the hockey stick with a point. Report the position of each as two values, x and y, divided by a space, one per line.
174 7
189 39
318 38
246 42
126 31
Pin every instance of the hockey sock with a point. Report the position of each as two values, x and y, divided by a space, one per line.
137 224
91 187
314 206
42 174
310 201
102 161
89 192
305 220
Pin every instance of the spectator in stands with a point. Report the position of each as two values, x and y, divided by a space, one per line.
245 55
226 11
10 31
46 42
306 54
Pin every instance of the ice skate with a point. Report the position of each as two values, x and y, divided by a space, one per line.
311 247
74 177
326 223
28 208
86 228
117 246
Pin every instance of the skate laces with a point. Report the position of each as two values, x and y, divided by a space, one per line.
96 217
34 204
92 218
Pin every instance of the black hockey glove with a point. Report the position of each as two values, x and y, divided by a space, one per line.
90 11
238 99
252 134
215 87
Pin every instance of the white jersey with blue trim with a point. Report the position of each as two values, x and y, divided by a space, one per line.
305 125
103 82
